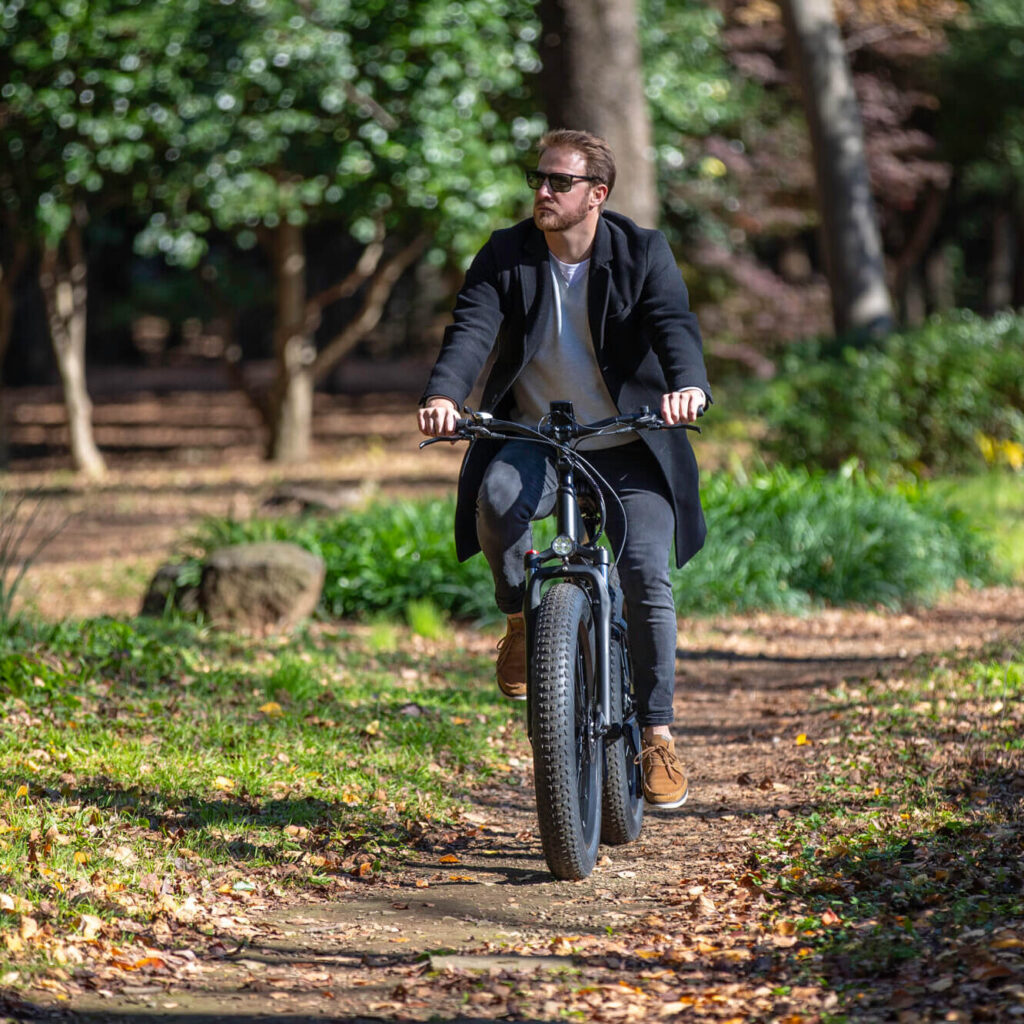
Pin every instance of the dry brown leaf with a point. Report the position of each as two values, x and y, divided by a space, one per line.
155 962
703 905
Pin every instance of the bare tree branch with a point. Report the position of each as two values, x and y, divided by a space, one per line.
384 281
350 284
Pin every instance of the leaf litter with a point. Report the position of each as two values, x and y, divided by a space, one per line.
805 865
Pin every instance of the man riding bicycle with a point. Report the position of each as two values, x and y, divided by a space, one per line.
579 303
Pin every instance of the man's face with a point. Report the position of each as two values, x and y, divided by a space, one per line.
559 211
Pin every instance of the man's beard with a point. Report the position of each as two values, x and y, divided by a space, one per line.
561 220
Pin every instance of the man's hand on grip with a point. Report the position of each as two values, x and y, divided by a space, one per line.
437 418
682 406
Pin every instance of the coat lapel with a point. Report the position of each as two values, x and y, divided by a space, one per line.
535 282
535 285
599 283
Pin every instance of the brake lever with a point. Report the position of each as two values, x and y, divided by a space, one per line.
468 432
436 440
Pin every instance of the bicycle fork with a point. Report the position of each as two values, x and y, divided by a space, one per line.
601 608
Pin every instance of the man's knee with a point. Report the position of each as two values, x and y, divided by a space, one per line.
645 584
500 497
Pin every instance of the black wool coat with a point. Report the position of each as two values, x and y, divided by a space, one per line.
646 340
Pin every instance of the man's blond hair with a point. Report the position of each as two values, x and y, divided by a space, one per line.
600 159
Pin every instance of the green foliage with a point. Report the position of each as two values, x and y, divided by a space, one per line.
921 399
790 539
373 115
978 81
294 679
781 539
77 95
426 619
693 93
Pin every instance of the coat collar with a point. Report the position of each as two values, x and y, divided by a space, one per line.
534 276
602 254
537 247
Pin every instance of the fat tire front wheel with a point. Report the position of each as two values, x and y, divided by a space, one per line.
567 757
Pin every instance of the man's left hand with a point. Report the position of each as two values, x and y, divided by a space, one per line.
683 406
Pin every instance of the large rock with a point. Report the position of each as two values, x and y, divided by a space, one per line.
167 593
256 587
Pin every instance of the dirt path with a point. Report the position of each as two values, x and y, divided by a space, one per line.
473 928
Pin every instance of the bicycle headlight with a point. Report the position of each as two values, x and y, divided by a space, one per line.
562 545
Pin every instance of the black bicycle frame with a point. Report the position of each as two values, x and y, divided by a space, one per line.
590 562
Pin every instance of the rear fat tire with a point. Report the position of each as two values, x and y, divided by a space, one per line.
622 798
567 762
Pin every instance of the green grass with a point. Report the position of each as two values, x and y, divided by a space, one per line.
994 502
906 867
134 751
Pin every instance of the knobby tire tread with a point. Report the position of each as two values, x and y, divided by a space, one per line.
563 622
622 811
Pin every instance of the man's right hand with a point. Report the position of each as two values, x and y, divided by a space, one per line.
437 418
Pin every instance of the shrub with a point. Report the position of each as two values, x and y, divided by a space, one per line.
782 539
923 399
789 539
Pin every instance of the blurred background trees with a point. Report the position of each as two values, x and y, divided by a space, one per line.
270 187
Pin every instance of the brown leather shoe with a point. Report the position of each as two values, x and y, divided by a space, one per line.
511 667
665 783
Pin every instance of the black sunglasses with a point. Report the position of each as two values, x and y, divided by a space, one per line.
558 182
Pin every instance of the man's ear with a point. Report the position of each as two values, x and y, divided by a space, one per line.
598 194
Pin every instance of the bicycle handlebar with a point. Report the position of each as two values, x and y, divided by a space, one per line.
483 424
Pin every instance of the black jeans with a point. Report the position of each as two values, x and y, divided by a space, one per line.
519 486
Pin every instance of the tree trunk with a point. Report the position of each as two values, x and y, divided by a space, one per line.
853 250
299 366
10 271
65 291
291 427
999 293
592 80
939 281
